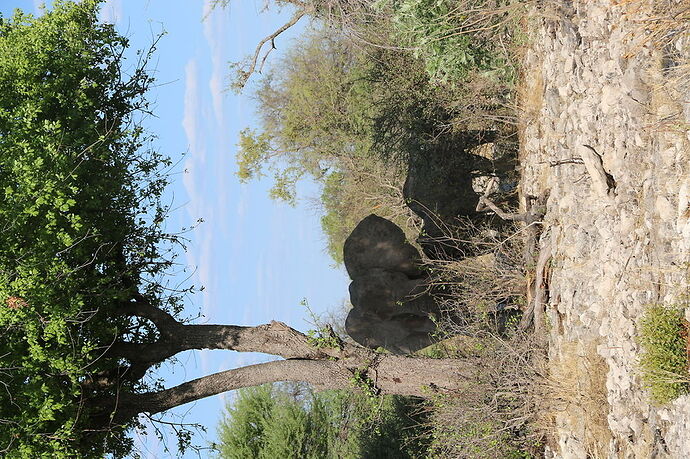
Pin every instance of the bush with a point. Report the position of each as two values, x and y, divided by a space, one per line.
494 416
664 361
455 38
290 421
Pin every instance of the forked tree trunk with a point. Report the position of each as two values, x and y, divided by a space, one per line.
338 366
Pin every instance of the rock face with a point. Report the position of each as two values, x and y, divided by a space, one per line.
594 80
390 308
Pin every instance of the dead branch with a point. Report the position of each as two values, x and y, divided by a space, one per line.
245 74
602 182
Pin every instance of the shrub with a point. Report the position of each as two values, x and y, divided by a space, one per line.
455 38
291 421
664 361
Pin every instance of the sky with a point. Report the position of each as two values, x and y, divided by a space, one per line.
256 259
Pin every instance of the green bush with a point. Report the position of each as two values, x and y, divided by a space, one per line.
664 362
456 38
291 421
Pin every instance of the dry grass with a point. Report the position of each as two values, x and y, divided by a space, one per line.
575 397
491 276
480 295
492 416
664 22
664 26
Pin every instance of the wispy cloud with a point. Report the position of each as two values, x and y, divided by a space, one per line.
192 111
205 275
215 32
216 87
111 11
205 361
199 190
242 203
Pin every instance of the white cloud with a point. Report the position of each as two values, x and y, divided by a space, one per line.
194 166
111 11
242 203
205 274
215 26
216 87
192 112
205 360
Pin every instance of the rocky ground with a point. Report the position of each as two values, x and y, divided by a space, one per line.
619 237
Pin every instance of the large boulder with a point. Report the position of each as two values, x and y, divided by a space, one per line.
387 293
390 305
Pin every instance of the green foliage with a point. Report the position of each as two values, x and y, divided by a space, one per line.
79 190
347 197
305 120
347 117
664 361
324 338
479 440
364 383
451 37
474 434
292 422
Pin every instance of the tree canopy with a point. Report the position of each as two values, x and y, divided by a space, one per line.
349 117
291 421
80 190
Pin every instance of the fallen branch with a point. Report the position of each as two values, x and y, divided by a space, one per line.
602 182
535 312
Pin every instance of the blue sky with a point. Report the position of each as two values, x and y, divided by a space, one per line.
256 258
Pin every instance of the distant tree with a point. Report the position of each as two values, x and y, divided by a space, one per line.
309 109
86 315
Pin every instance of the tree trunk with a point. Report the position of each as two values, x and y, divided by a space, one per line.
324 363
384 374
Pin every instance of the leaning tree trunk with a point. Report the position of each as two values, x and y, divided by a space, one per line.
325 364
364 370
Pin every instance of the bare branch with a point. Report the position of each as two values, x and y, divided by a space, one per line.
245 74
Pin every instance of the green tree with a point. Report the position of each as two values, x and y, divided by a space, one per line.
77 189
348 117
329 103
308 108
84 308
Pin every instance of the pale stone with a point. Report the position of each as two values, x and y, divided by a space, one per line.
664 209
609 98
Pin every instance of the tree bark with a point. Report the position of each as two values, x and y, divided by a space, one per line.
385 374
341 366
274 338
